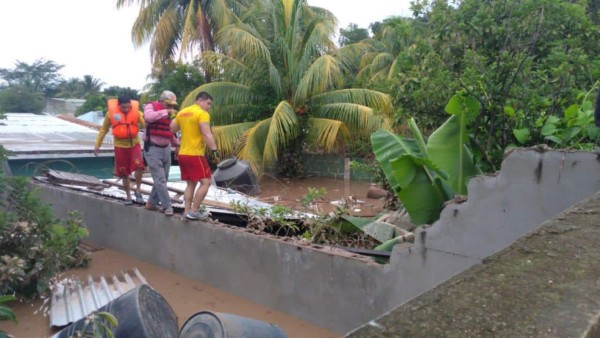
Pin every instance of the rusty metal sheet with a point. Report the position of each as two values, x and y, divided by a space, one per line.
73 299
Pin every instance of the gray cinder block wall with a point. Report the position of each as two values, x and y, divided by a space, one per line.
325 286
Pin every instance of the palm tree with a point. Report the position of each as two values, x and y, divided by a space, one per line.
71 88
180 26
91 85
283 84
392 37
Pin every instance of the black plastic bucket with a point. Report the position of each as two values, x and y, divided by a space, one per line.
141 312
207 324
237 175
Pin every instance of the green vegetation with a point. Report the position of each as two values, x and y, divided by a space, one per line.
274 220
575 128
29 85
425 175
6 313
283 85
97 324
34 246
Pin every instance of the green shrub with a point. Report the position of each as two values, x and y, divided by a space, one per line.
34 246
6 313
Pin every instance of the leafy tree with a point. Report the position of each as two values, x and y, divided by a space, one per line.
405 65
181 26
352 34
114 91
79 88
91 85
40 76
21 99
178 78
284 85
535 56
92 103
71 88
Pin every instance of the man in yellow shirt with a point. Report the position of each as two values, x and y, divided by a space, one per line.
194 124
125 119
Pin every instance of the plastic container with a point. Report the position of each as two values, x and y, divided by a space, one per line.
207 324
237 175
141 312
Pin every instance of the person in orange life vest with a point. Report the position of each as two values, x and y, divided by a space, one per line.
157 148
194 124
125 119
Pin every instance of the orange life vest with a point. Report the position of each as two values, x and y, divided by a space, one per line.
124 126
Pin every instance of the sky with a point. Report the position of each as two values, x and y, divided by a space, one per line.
92 37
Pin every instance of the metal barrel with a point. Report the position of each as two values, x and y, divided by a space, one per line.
141 312
207 324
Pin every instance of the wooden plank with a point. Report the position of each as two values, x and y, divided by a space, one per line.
176 199
56 176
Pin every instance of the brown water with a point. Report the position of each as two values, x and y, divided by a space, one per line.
290 193
184 295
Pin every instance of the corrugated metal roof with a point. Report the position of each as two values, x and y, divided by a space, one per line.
30 136
73 299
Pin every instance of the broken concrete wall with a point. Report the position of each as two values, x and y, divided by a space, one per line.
533 186
336 291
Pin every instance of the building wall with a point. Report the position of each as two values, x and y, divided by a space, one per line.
62 106
342 292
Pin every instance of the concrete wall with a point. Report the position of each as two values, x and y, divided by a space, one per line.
335 291
62 106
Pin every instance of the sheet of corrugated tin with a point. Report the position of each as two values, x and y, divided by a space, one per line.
74 299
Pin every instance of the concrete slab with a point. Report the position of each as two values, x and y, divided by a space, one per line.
544 285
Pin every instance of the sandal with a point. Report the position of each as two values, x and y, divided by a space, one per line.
150 206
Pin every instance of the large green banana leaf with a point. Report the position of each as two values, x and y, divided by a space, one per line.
381 231
447 146
415 179
422 193
388 147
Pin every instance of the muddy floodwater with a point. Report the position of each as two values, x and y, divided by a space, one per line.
290 193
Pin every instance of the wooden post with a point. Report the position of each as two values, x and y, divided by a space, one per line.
346 177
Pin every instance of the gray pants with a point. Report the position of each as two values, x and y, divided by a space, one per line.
159 163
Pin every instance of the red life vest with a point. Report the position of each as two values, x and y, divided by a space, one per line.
124 126
160 127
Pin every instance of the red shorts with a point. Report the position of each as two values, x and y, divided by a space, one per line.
127 160
193 168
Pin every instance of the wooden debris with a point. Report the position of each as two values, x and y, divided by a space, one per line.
63 177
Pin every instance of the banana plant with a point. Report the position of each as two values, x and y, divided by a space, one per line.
425 175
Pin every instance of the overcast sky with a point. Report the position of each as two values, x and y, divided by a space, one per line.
90 37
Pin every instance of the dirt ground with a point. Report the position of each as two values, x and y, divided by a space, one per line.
187 296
